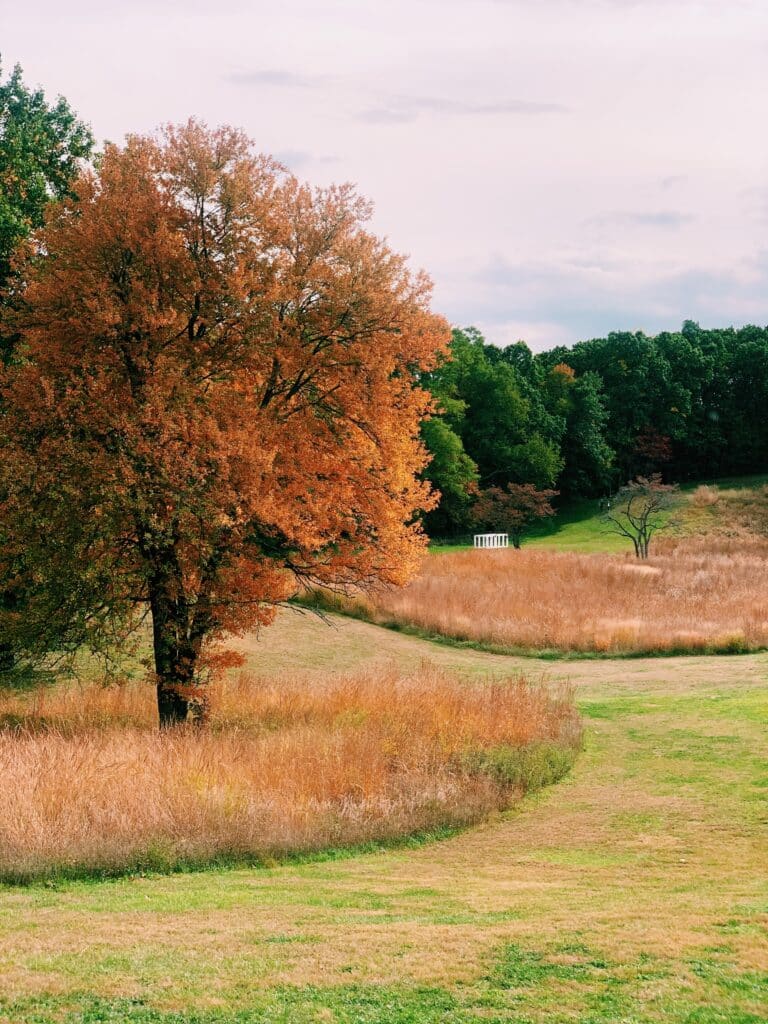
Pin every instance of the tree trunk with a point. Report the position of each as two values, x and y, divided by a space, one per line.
9 601
181 697
172 708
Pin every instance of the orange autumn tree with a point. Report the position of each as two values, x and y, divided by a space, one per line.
215 401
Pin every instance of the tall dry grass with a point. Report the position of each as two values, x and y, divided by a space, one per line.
709 594
705 495
88 784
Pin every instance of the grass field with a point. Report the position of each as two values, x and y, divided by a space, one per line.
286 765
575 590
635 891
693 596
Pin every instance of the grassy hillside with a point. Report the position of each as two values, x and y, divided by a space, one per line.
578 525
697 597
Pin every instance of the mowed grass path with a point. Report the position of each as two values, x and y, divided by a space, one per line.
636 890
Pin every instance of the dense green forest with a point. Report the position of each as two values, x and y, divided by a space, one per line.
690 405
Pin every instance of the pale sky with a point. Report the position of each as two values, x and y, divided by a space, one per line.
561 168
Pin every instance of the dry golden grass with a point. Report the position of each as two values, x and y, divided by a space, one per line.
693 595
288 765
705 495
725 513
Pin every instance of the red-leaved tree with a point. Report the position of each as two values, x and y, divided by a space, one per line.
512 509
215 401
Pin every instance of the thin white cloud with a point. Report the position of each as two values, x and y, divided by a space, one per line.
559 301
273 77
402 109
300 159
672 180
641 218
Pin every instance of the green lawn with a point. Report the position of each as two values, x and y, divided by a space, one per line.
636 891
576 527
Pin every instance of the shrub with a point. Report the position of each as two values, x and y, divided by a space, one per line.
705 495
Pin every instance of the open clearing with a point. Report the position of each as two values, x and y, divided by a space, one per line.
697 596
636 890
578 525
702 590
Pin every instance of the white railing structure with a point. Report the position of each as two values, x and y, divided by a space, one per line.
491 540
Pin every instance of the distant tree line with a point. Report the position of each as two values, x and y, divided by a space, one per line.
585 420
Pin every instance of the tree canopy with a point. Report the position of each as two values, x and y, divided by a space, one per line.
41 146
640 509
690 403
518 420
217 400
513 509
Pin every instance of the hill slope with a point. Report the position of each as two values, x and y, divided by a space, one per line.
578 525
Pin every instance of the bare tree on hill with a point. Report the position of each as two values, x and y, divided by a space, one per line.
640 509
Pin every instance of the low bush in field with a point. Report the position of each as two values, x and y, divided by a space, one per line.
705 496
89 785
708 594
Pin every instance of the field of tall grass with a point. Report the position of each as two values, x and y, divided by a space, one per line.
90 786
707 594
